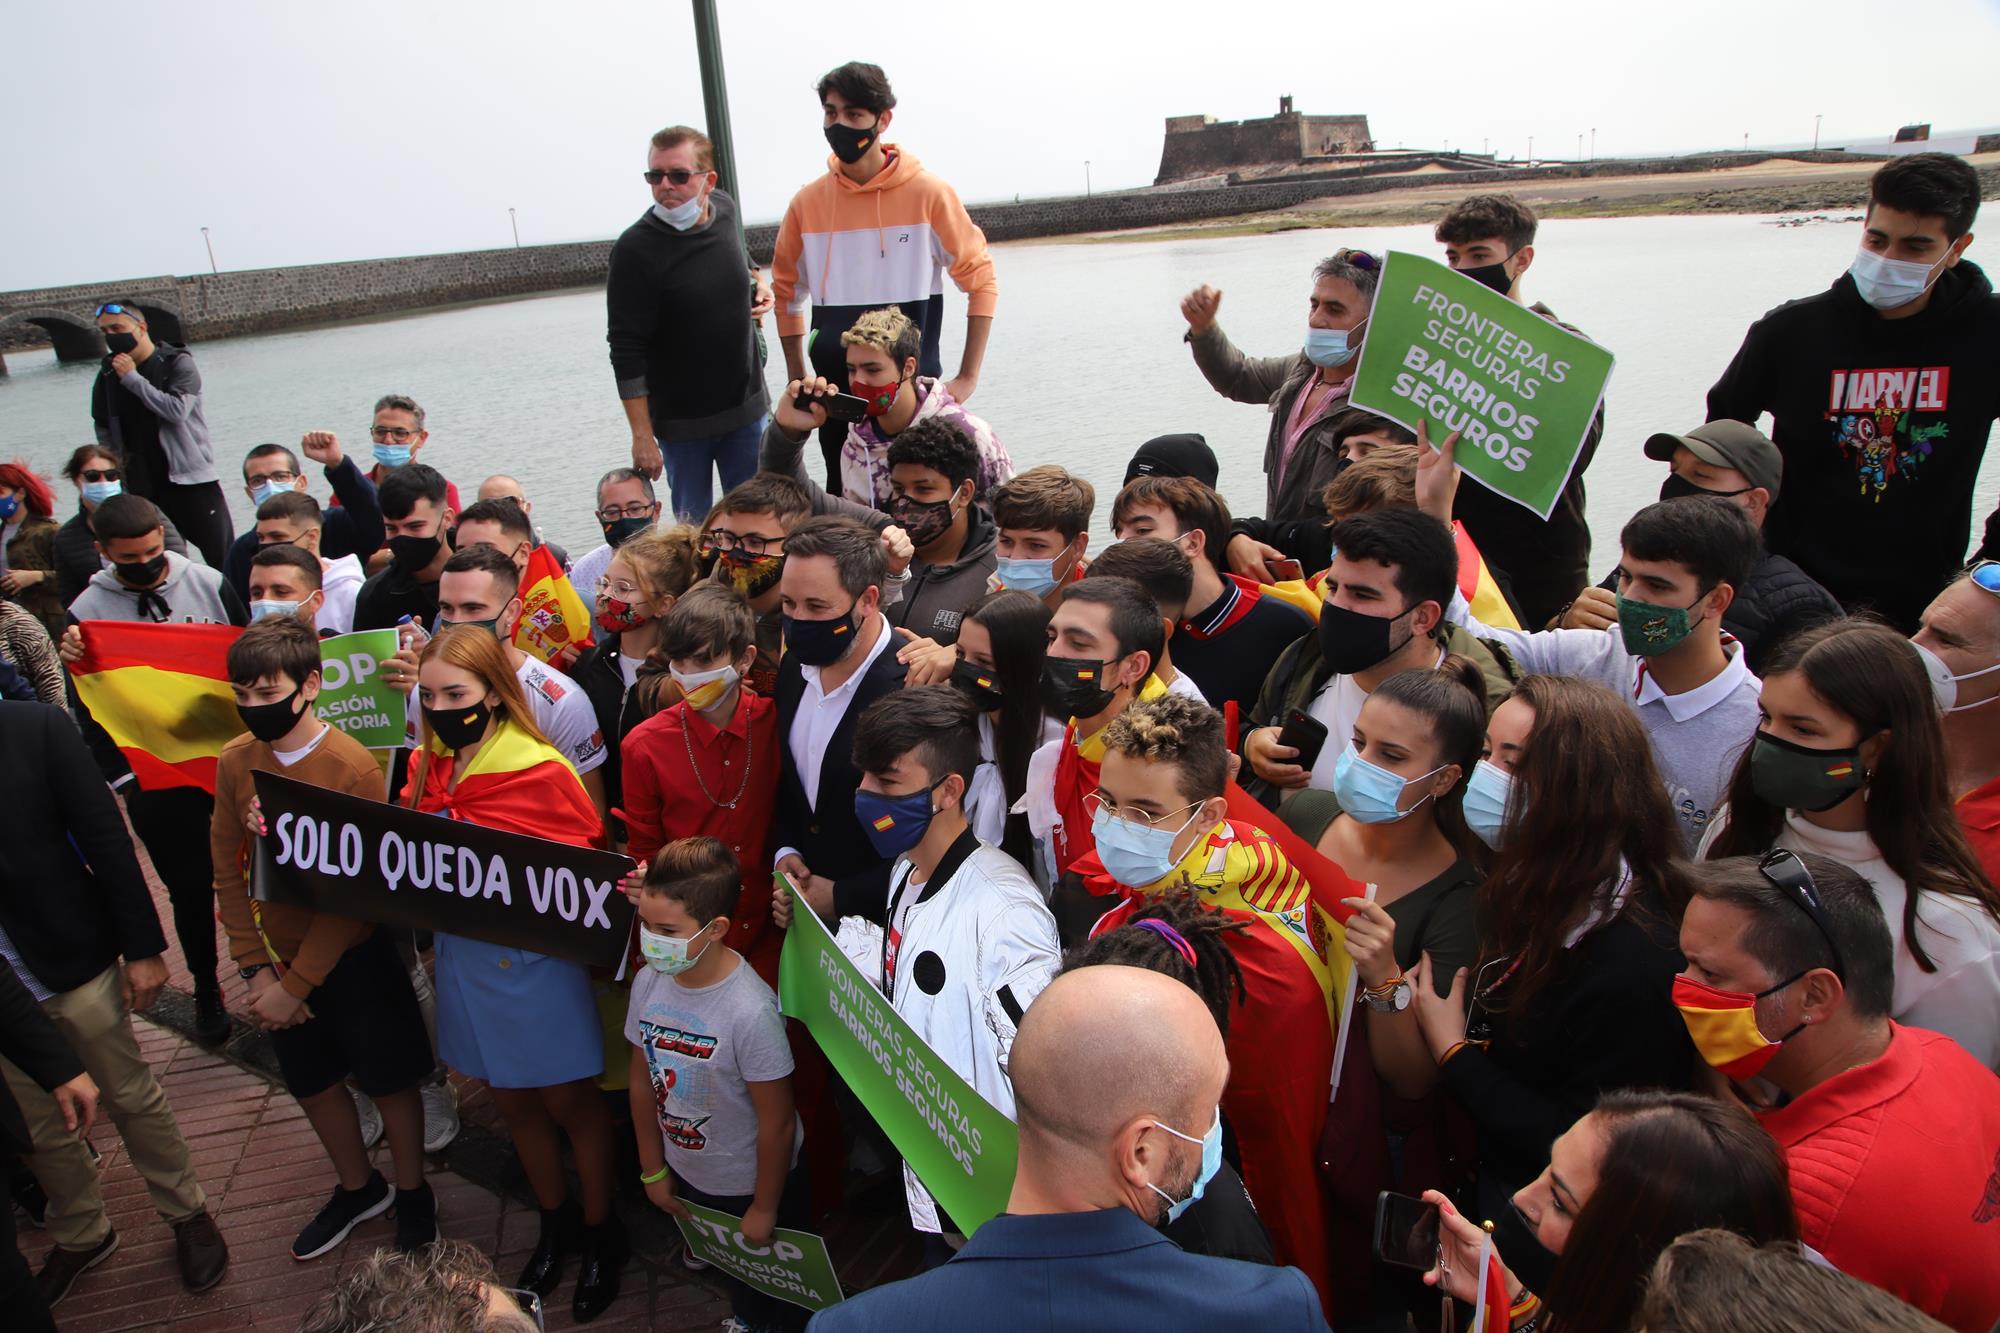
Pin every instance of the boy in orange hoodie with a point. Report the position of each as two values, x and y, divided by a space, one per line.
876 230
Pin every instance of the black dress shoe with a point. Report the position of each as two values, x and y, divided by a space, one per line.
211 1020
559 1236
604 1252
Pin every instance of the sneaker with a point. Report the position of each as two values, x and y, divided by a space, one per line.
371 1118
440 1115
693 1262
416 1219
733 1324
211 1020
201 1252
63 1267
345 1210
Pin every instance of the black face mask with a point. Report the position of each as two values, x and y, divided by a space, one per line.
1350 641
980 684
619 532
820 643
268 722
142 573
1491 275
459 727
414 553
1676 487
1072 686
849 144
121 344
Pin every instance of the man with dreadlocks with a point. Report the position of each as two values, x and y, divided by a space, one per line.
1160 818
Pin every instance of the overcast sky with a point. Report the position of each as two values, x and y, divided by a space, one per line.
299 134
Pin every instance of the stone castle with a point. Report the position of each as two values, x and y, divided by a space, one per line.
1198 146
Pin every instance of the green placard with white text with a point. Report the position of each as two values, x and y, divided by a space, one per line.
352 694
1519 389
961 1148
794 1267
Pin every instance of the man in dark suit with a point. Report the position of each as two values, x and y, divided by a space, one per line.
1110 1144
72 904
839 658
31 1043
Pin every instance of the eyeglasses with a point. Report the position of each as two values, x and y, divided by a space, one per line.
750 543
612 513
282 477
1789 876
1985 576
99 474
623 590
396 433
118 308
1097 800
675 175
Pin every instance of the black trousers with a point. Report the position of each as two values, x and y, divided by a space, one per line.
202 515
22 1300
746 1303
174 826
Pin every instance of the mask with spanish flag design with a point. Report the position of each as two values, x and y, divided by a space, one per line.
894 824
1723 1024
1072 686
1791 776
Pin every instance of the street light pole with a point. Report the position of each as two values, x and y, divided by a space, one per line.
512 222
1816 120
1086 178
715 96
1593 143
1531 150
211 251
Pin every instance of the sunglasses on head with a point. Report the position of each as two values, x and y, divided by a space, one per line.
675 176
1784 871
118 308
1986 576
1361 259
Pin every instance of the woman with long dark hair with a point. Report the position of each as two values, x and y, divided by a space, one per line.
1623 1183
1572 995
1849 762
523 1022
1002 640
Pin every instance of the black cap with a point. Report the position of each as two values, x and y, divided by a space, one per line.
1175 456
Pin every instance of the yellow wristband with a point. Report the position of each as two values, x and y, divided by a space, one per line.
655 1177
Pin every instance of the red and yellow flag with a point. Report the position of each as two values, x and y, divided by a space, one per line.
161 692
1475 581
553 617
1491 1313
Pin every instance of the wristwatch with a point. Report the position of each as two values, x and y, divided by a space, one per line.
248 972
1392 996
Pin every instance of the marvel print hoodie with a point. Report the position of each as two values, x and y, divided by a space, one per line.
1882 424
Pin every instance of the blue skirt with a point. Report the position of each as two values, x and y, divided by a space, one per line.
512 1018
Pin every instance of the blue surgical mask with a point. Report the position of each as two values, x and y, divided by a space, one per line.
1034 577
665 954
1211 1162
682 215
265 490
97 492
1330 347
1485 802
1889 284
894 824
1369 792
392 455
265 610
1134 854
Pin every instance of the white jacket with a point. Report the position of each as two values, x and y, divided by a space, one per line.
977 948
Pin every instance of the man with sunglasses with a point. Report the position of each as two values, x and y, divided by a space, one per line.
682 302
146 402
1891 1133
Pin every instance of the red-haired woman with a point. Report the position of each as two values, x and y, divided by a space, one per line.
28 549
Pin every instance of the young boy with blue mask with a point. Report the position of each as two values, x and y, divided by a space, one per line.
711 1075
968 942
1043 517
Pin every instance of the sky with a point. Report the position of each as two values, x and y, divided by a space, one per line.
302 134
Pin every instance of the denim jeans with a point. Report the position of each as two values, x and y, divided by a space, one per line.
692 464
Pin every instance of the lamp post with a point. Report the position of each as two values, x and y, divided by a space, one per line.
1531 150
715 95
211 251
1086 178
1579 147
1816 120
512 222
1593 143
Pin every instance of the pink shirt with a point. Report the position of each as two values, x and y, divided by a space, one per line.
1295 427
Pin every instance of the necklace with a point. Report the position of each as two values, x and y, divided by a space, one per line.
687 739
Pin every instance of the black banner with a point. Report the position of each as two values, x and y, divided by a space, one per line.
378 862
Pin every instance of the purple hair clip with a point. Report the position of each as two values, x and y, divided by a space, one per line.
1171 936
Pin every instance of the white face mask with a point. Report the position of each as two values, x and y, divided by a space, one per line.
684 214
1944 684
1890 284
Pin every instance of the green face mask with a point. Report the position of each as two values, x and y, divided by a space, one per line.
1650 630
1799 777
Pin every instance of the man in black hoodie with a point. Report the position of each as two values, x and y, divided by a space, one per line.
1882 394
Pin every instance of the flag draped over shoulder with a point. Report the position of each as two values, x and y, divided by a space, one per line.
553 615
161 692
515 784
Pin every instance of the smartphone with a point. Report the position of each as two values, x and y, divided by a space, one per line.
1306 734
530 1303
1406 1231
839 406
1285 571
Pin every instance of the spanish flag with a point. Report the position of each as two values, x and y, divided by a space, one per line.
161 692
1477 584
515 783
1491 1313
553 616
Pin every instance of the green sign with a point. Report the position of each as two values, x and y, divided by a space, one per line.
793 1267
959 1146
1520 390
352 695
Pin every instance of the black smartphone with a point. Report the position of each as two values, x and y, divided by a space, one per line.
839 406
1406 1231
1306 734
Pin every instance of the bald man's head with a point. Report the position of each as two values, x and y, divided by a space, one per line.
1103 1054
500 486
